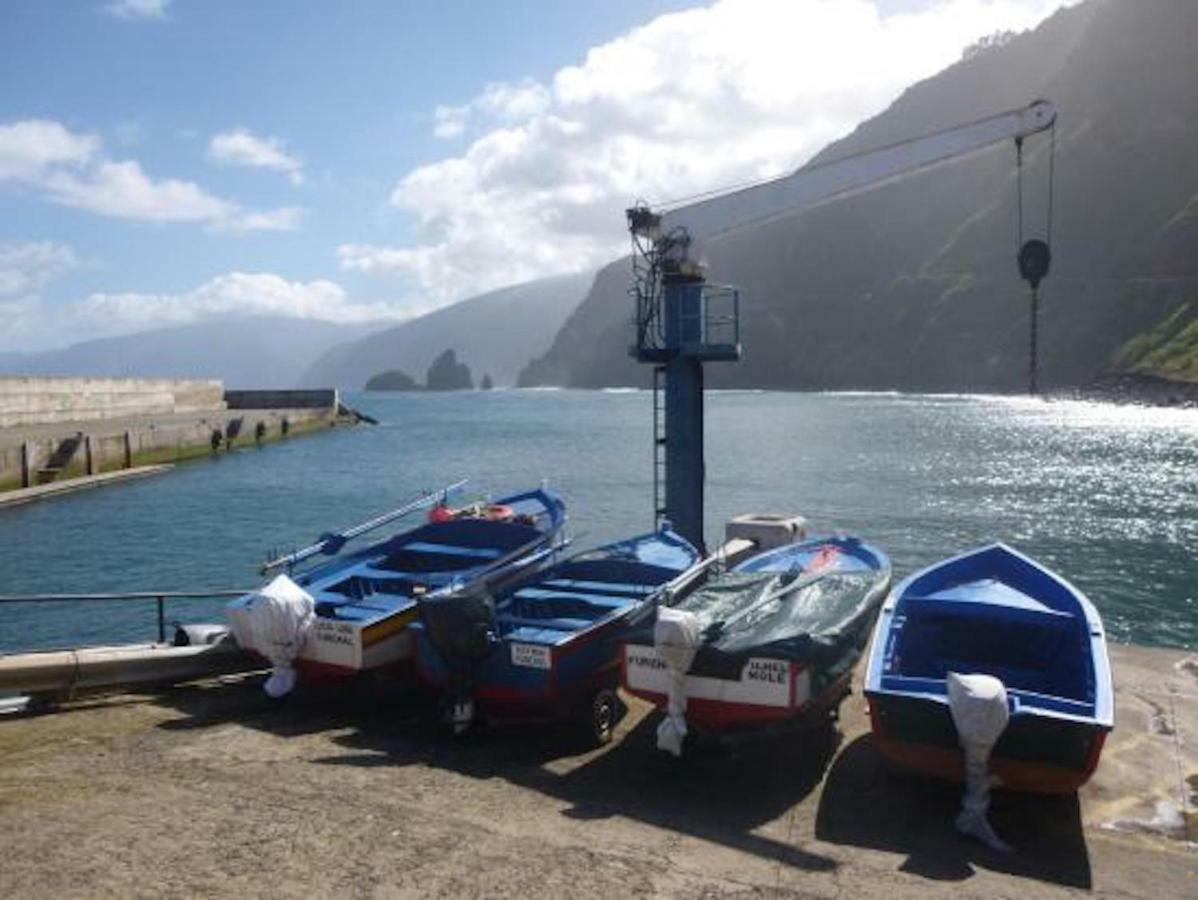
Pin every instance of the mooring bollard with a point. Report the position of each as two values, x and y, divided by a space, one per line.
26 465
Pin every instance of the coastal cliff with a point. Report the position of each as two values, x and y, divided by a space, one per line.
914 285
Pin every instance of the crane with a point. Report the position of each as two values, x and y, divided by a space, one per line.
683 322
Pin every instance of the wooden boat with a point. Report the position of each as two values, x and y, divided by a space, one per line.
993 611
778 637
364 601
547 646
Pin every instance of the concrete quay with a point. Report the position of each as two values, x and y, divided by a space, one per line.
212 789
121 424
37 400
83 482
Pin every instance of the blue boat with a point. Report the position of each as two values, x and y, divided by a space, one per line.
775 639
363 602
547 647
993 611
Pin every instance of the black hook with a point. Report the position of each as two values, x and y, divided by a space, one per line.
1035 259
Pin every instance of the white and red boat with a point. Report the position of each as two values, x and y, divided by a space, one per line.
770 643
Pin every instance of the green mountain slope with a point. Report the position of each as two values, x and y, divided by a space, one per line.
913 285
1170 350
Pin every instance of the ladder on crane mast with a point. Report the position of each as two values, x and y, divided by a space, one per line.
660 440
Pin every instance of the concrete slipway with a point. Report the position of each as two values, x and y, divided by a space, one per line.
211 789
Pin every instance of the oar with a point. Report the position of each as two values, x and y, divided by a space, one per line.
668 591
332 543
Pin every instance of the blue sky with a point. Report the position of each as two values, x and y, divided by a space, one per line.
165 161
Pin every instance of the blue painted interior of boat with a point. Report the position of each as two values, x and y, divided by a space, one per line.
573 595
852 555
474 552
994 611
369 585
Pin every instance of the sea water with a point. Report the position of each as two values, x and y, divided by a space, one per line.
1106 495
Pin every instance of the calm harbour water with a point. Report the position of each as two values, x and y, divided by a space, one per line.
1106 495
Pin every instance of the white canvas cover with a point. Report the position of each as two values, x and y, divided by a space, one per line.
278 617
978 704
676 636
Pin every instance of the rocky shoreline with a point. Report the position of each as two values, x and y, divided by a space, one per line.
1140 389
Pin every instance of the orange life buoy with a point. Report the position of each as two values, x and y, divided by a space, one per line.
441 513
498 512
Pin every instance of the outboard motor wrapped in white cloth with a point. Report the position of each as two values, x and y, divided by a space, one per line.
279 617
676 638
978 704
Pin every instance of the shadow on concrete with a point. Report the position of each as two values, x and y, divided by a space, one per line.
865 805
712 793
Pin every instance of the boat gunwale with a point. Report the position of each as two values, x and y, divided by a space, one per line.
1103 704
634 605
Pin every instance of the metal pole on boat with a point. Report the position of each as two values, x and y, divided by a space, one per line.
161 601
331 543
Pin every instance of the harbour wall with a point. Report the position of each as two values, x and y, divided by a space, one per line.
321 398
43 401
53 429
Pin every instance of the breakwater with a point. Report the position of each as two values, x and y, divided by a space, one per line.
53 429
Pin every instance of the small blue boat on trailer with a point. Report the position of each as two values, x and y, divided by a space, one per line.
363 602
995 612
547 646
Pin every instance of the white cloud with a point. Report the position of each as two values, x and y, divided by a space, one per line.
499 102
123 190
240 147
26 267
138 9
739 90
285 218
28 148
66 168
450 121
31 322
233 294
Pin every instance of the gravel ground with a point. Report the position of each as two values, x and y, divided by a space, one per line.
213 790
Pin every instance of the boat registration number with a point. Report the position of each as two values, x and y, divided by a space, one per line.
533 656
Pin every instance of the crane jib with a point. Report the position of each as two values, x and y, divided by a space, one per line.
819 182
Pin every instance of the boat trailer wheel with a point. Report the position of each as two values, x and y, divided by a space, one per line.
605 712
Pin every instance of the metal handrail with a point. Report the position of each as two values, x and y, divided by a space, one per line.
159 596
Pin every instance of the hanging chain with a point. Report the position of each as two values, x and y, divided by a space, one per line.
1052 166
1035 255
1019 185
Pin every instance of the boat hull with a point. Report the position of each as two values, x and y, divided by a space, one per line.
366 601
992 611
338 648
1034 754
767 693
791 681
529 683
552 642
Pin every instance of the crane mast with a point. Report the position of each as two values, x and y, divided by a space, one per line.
683 322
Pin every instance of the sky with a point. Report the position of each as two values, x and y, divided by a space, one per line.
167 161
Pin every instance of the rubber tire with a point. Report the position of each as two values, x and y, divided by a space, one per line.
605 715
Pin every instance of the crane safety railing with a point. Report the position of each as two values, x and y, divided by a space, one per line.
160 599
715 319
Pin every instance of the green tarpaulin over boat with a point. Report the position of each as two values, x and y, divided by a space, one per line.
821 621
